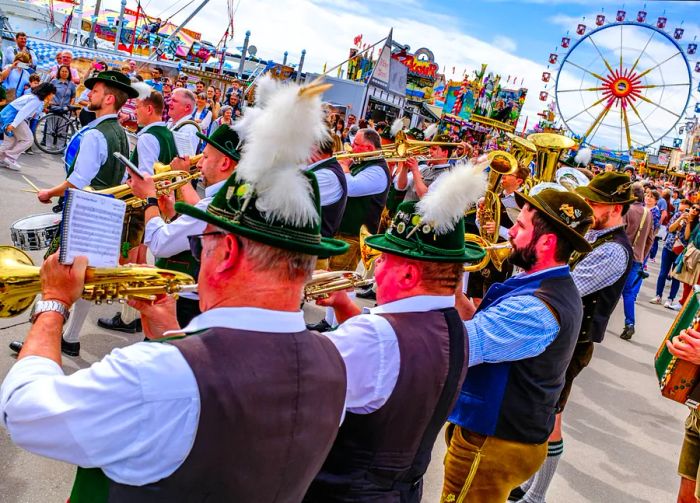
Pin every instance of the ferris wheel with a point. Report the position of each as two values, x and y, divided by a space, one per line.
623 85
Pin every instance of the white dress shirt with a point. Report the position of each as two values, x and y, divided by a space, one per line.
370 349
92 154
328 185
188 133
134 413
27 106
371 180
166 240
148 148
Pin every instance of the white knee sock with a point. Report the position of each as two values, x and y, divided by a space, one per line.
541 480
129 314
78 314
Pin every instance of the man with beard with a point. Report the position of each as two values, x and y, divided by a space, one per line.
520 343
90 162
600 277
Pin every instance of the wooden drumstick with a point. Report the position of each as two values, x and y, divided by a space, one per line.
30 183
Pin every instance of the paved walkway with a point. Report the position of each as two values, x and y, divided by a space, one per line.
622 438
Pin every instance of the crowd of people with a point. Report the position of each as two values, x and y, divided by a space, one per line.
232 396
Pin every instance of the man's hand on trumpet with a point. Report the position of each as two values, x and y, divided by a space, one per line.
181 163
157 317
63 283
142 188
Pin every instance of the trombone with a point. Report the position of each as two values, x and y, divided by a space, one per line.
165 183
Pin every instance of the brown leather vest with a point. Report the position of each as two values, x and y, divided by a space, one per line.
270 408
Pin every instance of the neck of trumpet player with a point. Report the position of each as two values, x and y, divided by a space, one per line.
229 261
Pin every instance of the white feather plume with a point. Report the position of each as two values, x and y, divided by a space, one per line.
430 131
144 89
396 126
455 193
280 132
583 156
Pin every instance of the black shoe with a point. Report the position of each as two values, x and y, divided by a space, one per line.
70 348
67 348
627 333
367 294
116 323
16 346
516 494
321 326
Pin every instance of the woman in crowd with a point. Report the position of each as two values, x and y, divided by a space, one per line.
226 117
15 77
687 265
13 122
65 88
214 105
674 244
202 113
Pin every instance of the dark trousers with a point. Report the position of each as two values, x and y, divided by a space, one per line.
186 309
667 260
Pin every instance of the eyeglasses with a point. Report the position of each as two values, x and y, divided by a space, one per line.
196 244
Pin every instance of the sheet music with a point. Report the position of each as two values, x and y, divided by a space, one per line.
183 143
92 226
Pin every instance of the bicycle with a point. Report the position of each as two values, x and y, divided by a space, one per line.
55 129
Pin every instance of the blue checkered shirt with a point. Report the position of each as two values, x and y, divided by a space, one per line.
602 267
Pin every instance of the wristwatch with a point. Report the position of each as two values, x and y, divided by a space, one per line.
151 201
42 306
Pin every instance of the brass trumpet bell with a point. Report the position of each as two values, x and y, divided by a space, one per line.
20 282
165 182
159 167
496 253
502 163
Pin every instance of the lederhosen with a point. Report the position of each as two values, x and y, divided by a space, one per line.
135 217
111 172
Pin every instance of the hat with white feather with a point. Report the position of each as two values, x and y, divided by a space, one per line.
270 198
432 229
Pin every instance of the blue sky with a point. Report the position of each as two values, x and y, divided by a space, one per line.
513 37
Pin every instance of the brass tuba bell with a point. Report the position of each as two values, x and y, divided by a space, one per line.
550 146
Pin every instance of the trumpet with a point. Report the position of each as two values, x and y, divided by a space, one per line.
496 253
159 167
165 182
20 283
324 283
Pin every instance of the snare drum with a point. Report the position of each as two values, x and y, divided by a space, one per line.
35 232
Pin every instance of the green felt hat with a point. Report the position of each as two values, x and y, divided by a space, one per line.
234 209
424 243
608 188
416 133
568 212
113 79
225 140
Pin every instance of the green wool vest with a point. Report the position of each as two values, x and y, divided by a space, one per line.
166 142
112 171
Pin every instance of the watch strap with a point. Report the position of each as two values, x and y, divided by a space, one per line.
151 201
43 306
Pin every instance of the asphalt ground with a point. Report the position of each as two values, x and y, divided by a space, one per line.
622 438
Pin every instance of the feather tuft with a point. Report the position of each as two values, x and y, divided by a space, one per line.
430 131
396 126
143 89
454 194
279 133
583 156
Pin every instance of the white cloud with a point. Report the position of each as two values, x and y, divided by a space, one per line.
505 43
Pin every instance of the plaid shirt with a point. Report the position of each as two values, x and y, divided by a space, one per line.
602 267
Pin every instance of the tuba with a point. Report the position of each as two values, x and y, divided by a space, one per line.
523 150
20 282
502 163
550 146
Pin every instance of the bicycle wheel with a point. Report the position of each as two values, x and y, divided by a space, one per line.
52 133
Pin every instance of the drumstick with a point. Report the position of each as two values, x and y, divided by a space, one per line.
31 191
30 183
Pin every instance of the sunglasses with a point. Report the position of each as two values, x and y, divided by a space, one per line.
196 243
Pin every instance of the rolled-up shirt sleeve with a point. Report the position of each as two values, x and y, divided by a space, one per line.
371 180
517 328
600 268
166 240
96 416
92 155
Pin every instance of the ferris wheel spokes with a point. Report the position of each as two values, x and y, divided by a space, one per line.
657 105
658 65
641 121
644 50
605 61
587 108
600 117
599 77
